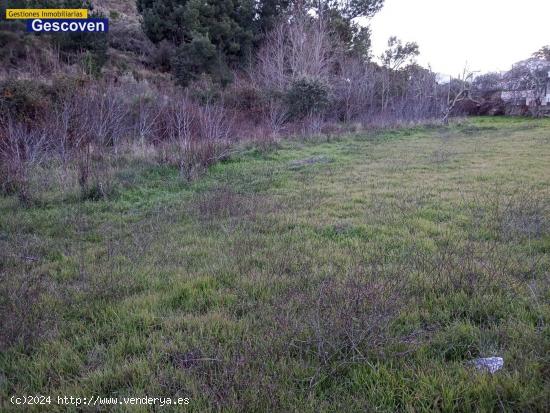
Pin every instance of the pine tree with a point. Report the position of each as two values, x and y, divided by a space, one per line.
213 36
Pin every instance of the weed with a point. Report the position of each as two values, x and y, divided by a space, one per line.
369 282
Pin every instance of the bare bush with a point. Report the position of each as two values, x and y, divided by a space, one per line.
223 202
311 125
420 95
214 123
524 215
21 148
106 112
295 53
21 317
310 51
354 89
459 90
270 70
293 50
200 155
343 321
276 116
82 131
180 119
146 124
197 136
64 121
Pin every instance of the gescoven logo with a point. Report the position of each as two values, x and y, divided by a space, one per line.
68 25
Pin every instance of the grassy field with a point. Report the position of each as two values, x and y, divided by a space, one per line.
360 273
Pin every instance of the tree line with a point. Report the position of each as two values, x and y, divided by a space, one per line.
247 70
216 37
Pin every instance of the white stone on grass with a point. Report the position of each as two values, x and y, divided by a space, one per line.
489 364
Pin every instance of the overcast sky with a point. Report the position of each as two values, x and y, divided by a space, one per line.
489 35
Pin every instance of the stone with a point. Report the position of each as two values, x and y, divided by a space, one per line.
489 364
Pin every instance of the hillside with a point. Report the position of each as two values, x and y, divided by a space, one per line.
129 55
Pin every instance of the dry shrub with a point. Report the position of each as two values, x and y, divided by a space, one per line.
214 123
354 89
524 215
21 148
22 317
99 182
226 375
147 112
194 136
440 156
478 281
467 267
341 321
267 144
224 202
311 126
276 115
220 202
192 158
198 156
245 98
106 111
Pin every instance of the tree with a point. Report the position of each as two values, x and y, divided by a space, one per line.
395 56
529 79
543 53
296 49
487 83
341 19
354 89
347 9
224 28
197 57
460 90
268 13
397 53
361 44
237 28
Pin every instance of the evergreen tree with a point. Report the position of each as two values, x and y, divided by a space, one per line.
341 18
208 36
213 36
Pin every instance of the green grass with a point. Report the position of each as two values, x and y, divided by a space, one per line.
360 273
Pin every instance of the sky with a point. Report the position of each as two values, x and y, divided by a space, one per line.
487 35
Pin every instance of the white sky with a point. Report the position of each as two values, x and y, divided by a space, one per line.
488 35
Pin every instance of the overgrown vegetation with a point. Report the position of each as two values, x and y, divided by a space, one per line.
363 272
303 82
213 38
87 49
238 205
